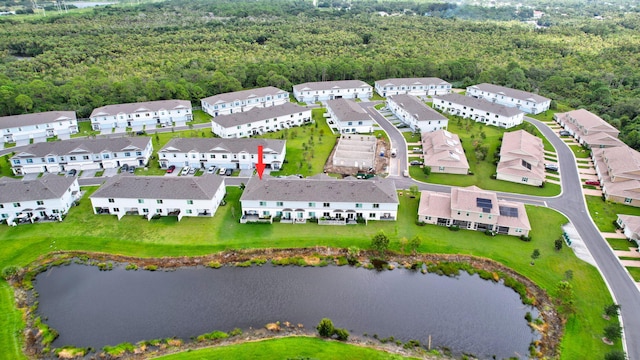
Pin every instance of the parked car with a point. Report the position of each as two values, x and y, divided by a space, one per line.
192 171
211 169
221 171
124 168
185 171
551 167
415 162
132 169
171 169
564 133
592 182
228 172
72 172
141 132
405 173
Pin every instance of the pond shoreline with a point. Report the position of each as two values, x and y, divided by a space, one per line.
550 331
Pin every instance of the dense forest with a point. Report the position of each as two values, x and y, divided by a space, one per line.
190 49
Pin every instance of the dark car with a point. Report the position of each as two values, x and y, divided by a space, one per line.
124 168
72 172
551 167
132 169
171 169
141 132
592 182
228 172
564 133
415 162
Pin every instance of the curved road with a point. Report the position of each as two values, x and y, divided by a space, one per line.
571 203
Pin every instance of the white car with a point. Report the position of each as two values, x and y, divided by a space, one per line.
222 171
211 169
185 171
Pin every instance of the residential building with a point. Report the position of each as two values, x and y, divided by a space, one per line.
245 100
82 154
415 113
443 152
474 209
348 117
618 170
630 226
420 87
150 196
588 128
328 90
225 153
355 151
521 159
149 114
22 129
321 197
46 198
260 120
525 101
478 110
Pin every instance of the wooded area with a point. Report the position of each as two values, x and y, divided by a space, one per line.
190 49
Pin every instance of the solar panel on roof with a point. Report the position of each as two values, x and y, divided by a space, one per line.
484 203
508 211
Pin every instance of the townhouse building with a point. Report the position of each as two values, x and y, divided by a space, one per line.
37 127
312 92
588 128
348 117
155 196
415 113
522 100
420 87
618 170
46 198
222 153
260 120
521 159
443 152
245 100
139 115
478 110
321 197
82 154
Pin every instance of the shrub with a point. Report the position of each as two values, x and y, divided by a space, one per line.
611 310
131 267
613 332
214 265
235 332
454 227
528 317
9 271
151 267
214 335
325 327
525 238
615 355
426 170
342 334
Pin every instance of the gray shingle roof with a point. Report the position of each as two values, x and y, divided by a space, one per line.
330 85
91 146
411 81
347 110
320 188
160 187
258 114
415 106
514 93
35 119
204 145
243 95
49 186
479 104
109 110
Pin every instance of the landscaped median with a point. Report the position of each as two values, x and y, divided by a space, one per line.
165 237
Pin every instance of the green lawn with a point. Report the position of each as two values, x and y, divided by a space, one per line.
286 348
411 136
604 213
82 230
84 129
5 166
470 132
635 272
200 117
580 152
621 244
547 116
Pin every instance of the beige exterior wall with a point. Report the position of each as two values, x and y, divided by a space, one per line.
620 199
448 170
518 179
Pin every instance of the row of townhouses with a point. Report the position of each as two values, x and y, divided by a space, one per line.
149 114
26 128
415 113
482 111
521 159
260 120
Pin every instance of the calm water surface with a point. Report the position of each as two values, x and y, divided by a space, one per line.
95 308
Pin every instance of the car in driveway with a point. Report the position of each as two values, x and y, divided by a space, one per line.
592 182
222 171
228 172
72 172
211 169
415 162
551 167
192 171
132 169
124 168
171 169
185 171
564 133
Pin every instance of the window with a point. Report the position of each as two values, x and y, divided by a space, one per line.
85 157
224 156
127 154
139 153
146 211
1 206
17 204
326 204
263 203
16 162
40 202
189 202
627 200
72 158
51 160
358 206
525 179
212 156
372 215
112 200
376 206
279 203
116 209
140 201
158 211
312 204
189 211
158 201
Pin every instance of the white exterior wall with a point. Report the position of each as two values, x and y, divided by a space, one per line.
410 119
487 118
415 90
150 119
274 209
120 206
47 130
81 161
530 107
226 108
311 96
262 126
10 211
242 160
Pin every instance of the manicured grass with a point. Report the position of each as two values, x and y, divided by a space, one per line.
547 116
11 320
621 244
200 117
308 146
580 152
470 132
552 178
286 348
604 213
634 272
376 96
84 129
411 136
5 167
82 230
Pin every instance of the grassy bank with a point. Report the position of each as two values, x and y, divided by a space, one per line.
82 230
604 213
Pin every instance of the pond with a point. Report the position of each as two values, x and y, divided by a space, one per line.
93 308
